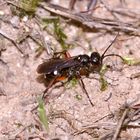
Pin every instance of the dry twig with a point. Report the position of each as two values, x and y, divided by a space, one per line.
120 123
63 114
11 40
93 22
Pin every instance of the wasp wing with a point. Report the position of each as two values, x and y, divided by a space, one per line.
48 66
56 64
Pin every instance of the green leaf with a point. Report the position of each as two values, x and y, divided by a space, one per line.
103 70
42 114
103 82
131 61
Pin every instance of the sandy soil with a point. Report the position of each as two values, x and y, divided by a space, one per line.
68 116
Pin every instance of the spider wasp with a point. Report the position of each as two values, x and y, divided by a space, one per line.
59 68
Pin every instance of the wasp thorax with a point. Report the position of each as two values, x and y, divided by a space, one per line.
95 58
84 59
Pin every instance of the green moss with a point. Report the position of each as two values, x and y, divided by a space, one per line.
28 7
58 31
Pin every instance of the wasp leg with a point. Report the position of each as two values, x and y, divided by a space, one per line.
64 54
48 87
75 72
62 84
81 83
59 54
51 83
84 90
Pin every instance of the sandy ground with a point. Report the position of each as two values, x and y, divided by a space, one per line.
68 116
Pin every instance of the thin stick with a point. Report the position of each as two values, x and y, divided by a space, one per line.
71 4
11 40
91 5
120 123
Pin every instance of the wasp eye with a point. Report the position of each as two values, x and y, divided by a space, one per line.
95 58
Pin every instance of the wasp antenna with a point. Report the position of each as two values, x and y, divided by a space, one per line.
103 55
114 55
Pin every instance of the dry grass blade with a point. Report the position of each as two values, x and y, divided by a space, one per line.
11 40
118 129
64 115
93 22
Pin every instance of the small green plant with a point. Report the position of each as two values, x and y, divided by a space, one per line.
58 31
72 83
103 82
131 61
42 114
28 6
78 97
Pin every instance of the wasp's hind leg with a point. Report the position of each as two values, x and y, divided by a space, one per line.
63 54
48 86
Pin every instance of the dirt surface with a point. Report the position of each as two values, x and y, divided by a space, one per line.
70 117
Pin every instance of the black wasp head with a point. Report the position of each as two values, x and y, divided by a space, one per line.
83 59
95 59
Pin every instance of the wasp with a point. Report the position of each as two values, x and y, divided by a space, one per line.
59 68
